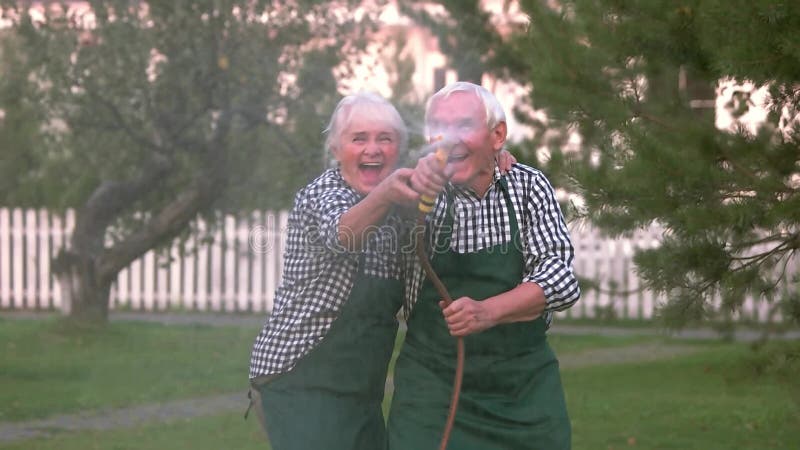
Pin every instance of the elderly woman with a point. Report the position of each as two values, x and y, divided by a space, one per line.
318 367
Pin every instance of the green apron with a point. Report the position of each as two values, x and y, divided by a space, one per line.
511 396
332 398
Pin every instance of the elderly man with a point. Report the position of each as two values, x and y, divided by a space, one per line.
500 245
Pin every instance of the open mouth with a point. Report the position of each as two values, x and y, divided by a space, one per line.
371 166
371 171
457 157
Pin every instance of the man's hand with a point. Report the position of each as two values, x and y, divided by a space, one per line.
466 316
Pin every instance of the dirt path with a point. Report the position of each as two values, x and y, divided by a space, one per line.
124 417
621 355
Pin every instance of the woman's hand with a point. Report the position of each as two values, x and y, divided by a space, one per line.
395 189
505 160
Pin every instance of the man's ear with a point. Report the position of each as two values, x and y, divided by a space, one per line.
499 136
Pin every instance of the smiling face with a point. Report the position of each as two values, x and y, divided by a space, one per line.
367 151
461 116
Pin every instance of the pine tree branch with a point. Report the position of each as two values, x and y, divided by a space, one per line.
771 238
757 259
651 118
626 293
786 258
752 176
638 112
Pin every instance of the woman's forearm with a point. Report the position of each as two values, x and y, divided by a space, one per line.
355 224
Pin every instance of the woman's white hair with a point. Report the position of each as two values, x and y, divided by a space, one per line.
376 107
493 108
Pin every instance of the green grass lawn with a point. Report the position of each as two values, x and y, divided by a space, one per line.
724 397
46 369
719 399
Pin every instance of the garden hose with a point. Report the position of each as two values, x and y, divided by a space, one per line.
425 206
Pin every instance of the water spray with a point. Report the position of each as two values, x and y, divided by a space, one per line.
442 148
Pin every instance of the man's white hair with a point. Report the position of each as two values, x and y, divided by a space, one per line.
493 108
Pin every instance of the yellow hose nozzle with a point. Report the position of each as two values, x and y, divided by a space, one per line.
425 202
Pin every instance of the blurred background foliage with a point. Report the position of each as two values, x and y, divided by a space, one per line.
637 81
154 112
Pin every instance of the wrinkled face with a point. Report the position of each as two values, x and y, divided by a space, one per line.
367 152
461 117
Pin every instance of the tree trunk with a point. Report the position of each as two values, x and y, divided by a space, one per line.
84 294
86 270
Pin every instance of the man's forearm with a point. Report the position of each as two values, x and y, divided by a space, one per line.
524 302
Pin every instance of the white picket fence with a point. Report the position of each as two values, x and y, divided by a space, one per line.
239 270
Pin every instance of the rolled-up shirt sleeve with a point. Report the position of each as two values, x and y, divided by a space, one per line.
328 210
549 254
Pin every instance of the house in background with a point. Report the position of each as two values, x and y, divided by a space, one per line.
400 44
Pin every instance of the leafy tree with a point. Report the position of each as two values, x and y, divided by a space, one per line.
18 127
464 31
628 76
142 115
